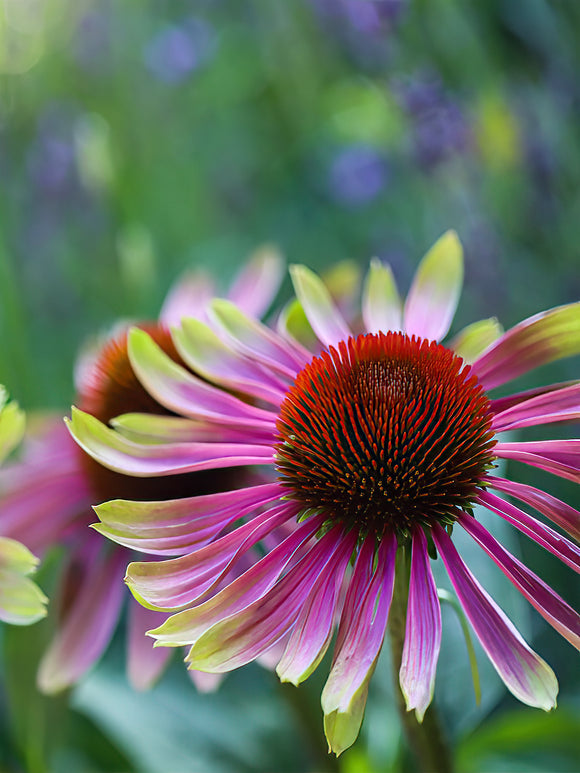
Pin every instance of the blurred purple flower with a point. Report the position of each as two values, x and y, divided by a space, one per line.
50 159
369 17
357 175
439 127
176 51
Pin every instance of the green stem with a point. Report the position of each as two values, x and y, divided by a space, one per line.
425 738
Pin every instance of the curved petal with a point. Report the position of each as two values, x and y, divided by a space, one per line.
474 339
242 637
422 633
559 512
205 353
12 425
188 297
560 457
249 337
88 623
559 405
187 626
499 404
117 453
547 602
179 525
543 535
21 600
523 672
152 427
381 304
435 291
326 320
360 638
183 393
255 286
145 663
536 341
180 581
312 633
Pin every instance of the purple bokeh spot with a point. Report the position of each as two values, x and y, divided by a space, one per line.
357 175
176 51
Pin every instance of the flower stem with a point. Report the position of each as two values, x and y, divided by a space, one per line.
425 739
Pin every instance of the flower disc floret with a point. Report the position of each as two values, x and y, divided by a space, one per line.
385 432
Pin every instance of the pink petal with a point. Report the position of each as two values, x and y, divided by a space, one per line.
145 663
536 341
312 633
187 298
179 581
560 457
423 632
362 627
548 603
156 428
187 626
242 637
543 535
207 354
88 624
254 288
435 291
523 672
117 453
257 341
559 512
185 394
177 526
324 317
559 405
500 404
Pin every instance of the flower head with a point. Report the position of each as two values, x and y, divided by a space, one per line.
380 440
56 509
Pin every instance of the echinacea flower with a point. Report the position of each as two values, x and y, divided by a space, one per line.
21 600
46 496
381 440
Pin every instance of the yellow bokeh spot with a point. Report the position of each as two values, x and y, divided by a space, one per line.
497 133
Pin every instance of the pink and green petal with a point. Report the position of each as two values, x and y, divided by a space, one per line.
545 600
523 672
536 341
206 354
559 512
325 319
243 636
473 340
161 527
423 632
381 304
176 582
12 425
183 393
255 286
543 535
88 624
187 626
360 638
500 404
560 457
293 325
253 339
153 428
559 405
117 453
433 297
312 633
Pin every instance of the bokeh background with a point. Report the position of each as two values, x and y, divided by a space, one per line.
139 139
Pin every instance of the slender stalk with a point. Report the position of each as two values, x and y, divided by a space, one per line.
425 739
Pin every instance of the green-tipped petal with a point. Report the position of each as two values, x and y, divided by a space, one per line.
326 320
21 601
381 302
293 324
12 424
342 727
474 339
435 291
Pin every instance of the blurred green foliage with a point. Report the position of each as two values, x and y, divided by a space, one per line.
139 139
